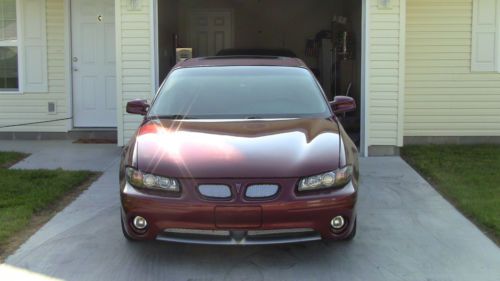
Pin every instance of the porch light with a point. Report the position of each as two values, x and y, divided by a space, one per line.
134 5
384 4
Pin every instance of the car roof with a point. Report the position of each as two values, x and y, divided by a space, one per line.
258 52
241 61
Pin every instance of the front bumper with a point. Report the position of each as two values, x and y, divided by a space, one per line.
287 218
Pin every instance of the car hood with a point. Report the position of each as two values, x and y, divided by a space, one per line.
238 149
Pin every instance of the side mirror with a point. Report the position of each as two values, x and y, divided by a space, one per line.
343 104
139 107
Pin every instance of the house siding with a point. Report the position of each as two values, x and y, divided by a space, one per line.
385 76
134 56
33 107
443 97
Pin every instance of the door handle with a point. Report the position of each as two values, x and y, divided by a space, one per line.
75 69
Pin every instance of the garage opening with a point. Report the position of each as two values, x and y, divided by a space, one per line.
326 35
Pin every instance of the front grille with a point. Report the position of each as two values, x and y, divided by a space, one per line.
290 231
226 237
261 191
181 231
215 191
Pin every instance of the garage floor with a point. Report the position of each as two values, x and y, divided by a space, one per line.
407 231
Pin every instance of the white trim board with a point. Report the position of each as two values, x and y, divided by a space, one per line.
365 76
119 72
154 48
402 71
68 73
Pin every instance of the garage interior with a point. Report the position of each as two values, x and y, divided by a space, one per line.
326 35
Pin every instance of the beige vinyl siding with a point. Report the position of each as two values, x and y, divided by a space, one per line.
443 96
135 63
33 107
385 76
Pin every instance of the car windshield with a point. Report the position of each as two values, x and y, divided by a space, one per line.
240 92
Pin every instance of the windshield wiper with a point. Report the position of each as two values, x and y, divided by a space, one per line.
173 117
254 117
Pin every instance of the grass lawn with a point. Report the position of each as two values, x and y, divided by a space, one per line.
468 175
25 194
9 158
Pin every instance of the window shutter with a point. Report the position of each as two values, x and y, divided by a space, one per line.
34 46
485 36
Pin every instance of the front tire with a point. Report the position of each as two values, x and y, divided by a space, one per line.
352 235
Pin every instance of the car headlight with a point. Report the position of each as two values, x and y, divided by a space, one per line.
334 179
142 180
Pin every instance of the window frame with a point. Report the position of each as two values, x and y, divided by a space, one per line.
18 43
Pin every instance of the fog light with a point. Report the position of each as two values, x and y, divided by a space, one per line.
338 222
140 223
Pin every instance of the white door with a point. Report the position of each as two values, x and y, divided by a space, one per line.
211 31
94 66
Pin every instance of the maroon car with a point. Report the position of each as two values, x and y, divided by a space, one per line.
240 151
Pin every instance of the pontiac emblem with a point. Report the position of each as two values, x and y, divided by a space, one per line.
238 187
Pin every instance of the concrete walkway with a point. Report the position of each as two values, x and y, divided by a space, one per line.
407 231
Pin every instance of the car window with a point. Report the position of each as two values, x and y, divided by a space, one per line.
240 92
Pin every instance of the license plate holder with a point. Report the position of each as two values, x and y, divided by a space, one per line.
238 217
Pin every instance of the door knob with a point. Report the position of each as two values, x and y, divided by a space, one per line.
75 59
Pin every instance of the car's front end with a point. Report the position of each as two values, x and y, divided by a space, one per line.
229 192
239 155
194 218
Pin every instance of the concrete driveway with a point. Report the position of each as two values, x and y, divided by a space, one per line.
407 231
